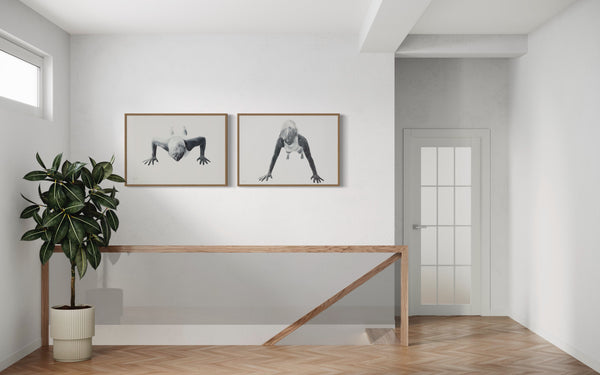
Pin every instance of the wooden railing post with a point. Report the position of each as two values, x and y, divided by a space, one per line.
45 301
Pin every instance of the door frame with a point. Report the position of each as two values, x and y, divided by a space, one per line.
483 136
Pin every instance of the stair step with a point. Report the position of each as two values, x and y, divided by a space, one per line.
382 336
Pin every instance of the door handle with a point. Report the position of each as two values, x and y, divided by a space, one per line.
419 227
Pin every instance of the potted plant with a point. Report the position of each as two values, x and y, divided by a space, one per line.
78 214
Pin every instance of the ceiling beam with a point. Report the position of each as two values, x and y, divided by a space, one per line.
463 46
388 22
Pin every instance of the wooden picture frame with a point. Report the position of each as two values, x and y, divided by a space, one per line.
176 149
288 149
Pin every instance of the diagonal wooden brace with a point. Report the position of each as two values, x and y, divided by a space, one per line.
338 296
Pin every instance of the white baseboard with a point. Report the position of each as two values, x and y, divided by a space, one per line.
586 359
497 313
28 349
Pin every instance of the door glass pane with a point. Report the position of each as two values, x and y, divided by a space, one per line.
428 246
445 206
445 285
463 285
428 165
463 206
463 165
428 203
446 166
428 285
446 245
463 245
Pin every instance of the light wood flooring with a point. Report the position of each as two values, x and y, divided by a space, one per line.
438 345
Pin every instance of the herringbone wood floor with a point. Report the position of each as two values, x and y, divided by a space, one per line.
439 345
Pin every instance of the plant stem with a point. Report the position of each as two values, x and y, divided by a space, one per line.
72 284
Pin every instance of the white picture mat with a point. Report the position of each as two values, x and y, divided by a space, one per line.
257 137
142 129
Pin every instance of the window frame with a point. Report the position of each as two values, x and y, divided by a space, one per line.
15 48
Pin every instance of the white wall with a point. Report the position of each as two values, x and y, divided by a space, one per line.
554 178
461 93
113 75
24 135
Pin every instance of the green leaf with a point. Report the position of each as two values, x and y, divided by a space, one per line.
76 230
116 178
29 211
105 230
96 205
55 175
69 248
77 166
62 229
81 262
36 176
107 167
91 210
37 218
104 200
73 170
90 225
39 160
56 161
112 159
65 168
52 219
33 234
99 241
47 235
74 192
56 196
110 191
28 200
46 251
94 254
98 173
76 176
112 219
43 196
74 207
86 177
92 161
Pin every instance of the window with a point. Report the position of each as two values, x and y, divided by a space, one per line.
21 77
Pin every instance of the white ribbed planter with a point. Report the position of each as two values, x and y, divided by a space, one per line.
72 331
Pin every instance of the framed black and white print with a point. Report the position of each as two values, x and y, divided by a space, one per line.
175 149
288 149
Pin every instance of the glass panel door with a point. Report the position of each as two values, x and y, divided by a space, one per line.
446 216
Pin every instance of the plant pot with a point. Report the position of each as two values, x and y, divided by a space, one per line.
72 331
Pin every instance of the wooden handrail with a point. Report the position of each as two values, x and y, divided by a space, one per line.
246 249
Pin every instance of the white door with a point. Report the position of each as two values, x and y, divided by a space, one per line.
446 176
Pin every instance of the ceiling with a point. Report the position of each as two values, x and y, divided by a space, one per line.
204 16
487 16
372 20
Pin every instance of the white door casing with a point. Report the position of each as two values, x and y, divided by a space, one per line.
447 220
